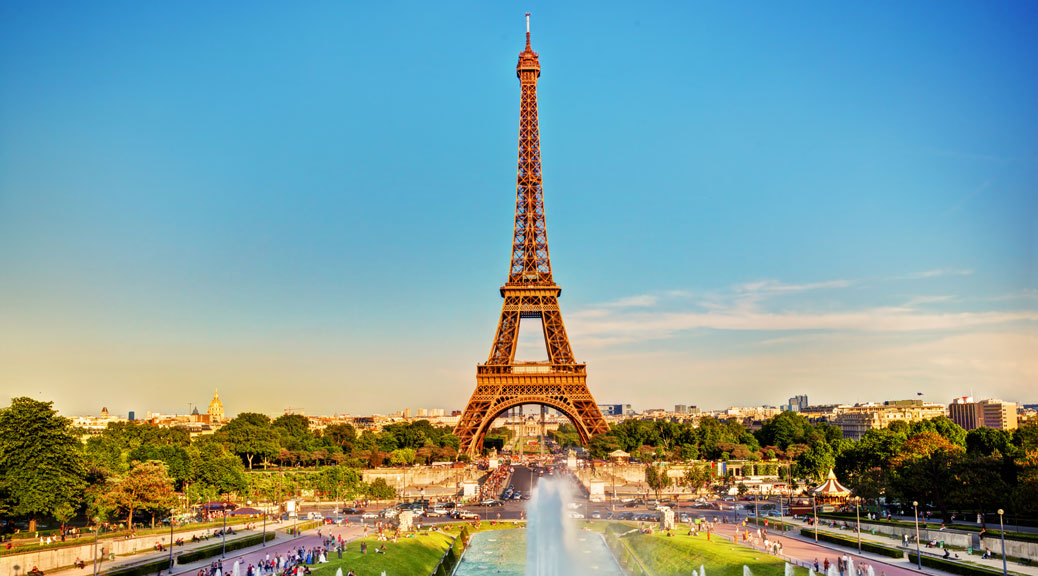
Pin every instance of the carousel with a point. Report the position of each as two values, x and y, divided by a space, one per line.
831 491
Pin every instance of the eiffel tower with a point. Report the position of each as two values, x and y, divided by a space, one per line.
502 383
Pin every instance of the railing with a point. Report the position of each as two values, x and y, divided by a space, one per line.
531 368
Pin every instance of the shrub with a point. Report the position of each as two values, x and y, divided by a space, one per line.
141 569
853 542
955 567
216 549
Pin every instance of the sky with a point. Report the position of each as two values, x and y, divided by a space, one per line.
309 206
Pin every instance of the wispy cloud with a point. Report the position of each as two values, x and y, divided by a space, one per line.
753 307
640 301
774 286
936 273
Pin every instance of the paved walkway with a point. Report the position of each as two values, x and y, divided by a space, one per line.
281 539
804 550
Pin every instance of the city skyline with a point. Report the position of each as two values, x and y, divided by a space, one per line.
312 207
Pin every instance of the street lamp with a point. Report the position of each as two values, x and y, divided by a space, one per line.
97 528
918 553
223 534
1002 532
756 513
264 526
170 541
814 508
857 517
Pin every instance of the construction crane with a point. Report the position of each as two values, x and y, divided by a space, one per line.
291 410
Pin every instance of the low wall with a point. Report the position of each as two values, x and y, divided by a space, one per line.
424 476
1015 548
53 558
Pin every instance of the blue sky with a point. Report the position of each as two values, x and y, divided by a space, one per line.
310 206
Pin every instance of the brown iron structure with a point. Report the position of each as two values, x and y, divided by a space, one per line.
502 383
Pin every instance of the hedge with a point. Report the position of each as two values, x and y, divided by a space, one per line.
866 546
141 569
964 568
932 525
450 558
216 549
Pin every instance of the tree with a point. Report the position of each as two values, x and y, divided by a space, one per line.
696 478
250 435
380 490
41 466
657 479
402 457
816 461
147 486
923 469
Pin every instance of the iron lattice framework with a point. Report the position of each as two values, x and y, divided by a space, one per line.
502 383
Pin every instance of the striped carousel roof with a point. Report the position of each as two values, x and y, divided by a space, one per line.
832 487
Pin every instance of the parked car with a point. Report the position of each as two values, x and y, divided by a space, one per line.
575 515
596 514
350 511
463 515
369 515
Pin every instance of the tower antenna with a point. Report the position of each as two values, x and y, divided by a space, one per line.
527 29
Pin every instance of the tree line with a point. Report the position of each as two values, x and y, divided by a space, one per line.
932 461
134 468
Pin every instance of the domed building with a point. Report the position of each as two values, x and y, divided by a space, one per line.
216 409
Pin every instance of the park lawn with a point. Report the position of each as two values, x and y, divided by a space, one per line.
679 554
405 557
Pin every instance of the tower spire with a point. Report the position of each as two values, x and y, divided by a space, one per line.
527 30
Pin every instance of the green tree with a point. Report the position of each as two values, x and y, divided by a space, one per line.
250 435
402 457
696 477
147 486
657 479
380 490
816 461
41 465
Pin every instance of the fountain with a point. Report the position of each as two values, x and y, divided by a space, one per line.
850 566
869 571
547 529
746 571
236 569
810 572
833 571
789 569
702 570
338 572
552 544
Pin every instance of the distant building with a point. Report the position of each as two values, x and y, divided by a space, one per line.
797 403
856 420
616 409
130 416
405 413
681 409
422 413
989 413
216 415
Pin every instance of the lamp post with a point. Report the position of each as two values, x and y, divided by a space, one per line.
223 533
756 510
814 508
918 553
857 518
1002 533
170 541
264 526
97 528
